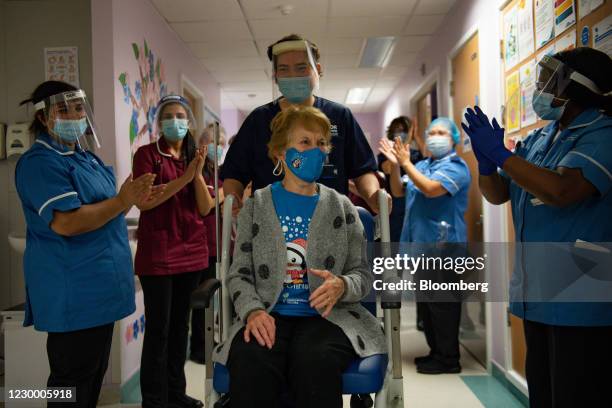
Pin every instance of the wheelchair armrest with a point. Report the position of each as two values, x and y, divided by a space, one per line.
201 297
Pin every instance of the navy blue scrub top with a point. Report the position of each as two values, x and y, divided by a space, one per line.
351 156
586 145
77 282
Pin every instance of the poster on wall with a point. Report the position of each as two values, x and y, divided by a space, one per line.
565 15
142 89
566 42
62 64
544 22
527 77
525 28
513 103
602 35
585 7
511 50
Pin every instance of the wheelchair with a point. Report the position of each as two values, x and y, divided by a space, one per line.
377 374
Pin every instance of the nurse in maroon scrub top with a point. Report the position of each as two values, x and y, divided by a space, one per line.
172 251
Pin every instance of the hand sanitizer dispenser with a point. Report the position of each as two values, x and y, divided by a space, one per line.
2 141
17 139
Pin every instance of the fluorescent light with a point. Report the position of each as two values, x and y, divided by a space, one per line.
357 96
377 52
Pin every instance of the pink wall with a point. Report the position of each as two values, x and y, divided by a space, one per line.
372 126
116 25
232 119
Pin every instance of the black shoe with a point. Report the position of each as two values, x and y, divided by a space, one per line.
422 359
434 366
197 358
185 401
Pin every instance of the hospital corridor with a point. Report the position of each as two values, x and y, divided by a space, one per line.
305 203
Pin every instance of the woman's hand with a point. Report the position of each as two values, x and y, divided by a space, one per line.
261 325
401 152
152 195
386 148
132 191
194 166
201 152
328 294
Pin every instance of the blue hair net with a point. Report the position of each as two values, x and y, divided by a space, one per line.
448 125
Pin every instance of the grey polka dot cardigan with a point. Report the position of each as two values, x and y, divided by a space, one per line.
336 242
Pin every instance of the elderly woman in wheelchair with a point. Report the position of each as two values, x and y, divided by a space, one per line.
298 274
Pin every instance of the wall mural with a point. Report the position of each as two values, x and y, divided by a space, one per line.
143 96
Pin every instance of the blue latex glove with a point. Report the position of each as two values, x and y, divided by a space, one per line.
485 166
487 138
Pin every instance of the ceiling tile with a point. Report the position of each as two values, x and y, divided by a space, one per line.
352 73
240 76
198 10
403 59
211 30
423 25
333 46
367 8
340 61
275 29
347 83
336 95
366 26
233 64
218 49
434 6
393 72
379 95
413 43
256 9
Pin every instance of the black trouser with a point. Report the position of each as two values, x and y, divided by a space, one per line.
441 327
307 360
568 366
197 316
166 300
79 359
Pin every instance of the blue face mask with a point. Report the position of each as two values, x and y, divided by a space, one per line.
296 89
402 135
70 130
211 152
175 129
439 146
306 165
542 106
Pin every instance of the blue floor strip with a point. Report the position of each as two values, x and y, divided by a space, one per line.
490 392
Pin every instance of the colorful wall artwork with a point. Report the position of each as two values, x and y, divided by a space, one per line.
142 93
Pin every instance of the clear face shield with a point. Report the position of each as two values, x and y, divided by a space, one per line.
294 71
70 119
553 77
173 117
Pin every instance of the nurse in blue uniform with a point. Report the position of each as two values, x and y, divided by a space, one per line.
77 263
559 182
436 191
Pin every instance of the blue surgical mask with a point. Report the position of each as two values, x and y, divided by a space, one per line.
542 106
402 135
306 165
211 152
175 129
70 130
439 146
296 89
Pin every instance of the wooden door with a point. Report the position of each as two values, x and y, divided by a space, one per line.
465 92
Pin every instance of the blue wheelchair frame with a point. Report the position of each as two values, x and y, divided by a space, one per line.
364 376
